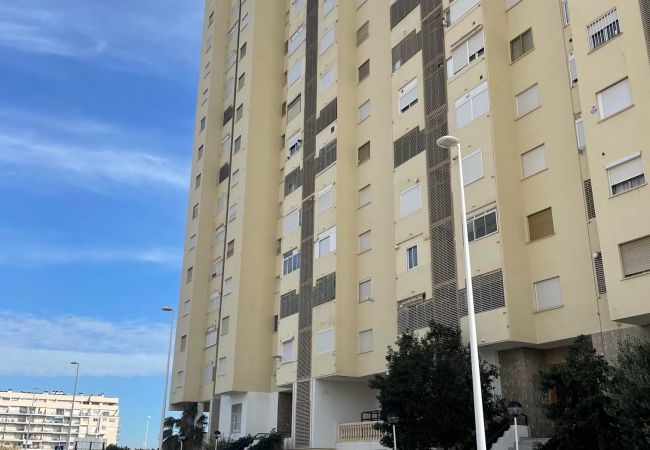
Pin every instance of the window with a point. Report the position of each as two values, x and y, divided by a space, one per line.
295 143
326 79
192 241
211 336
363 32
408 96
327 40
237 147
235 178
232 59
220 233
573 69
241 81
287 351
565 12
365 241
482 225
364 70
206 70
290 221
180 378
183 342
199 153
202 125
197 181
187 307
324 199
409 200
411 257
242 51
580 133
626 173
290 261
521 45
534 161
208 44
229 88
240 112
225 325
365 290
325 341
235 418
540 224
208 372
230 248
635 257
365 341
467 52
293 109
295 71
459 8
221 203
225 144
614 99
222 366
527 101
188 275
473 167
325 243
217 268
548 293
472 105
363 153
214 302
211 18
297 38
232 212
204 97
244 21
298 6
227 286
365 196
364 111
603 29
232 35
195 211
328 5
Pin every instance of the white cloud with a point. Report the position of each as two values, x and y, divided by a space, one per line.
44 346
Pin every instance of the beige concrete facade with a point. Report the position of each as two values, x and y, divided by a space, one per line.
42 420
323 220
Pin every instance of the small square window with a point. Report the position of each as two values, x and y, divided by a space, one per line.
365 196
365 290
363 153
202 126
230 249
197 181
195 211
241 81
237 144
199 153
521 45
225 325
365 241
242 51
411 257
240 112
364 70
540 224
363 32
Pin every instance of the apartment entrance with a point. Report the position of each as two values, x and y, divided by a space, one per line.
285 412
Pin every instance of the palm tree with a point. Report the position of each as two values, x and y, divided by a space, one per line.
190 428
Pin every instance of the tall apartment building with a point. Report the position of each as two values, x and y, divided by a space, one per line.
42 420
323 220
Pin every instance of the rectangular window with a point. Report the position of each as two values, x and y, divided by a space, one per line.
365 341
222 366
230 249
220 234
603 29
290 221
225 144
235 418
232 59
180 378
580 133
364 111
363 32
472 105
293 109
410 200
242 51
482 225
214 302
208 372
287 351
290 261
232 213
328 5
635 257
217 268
626 173
327 40
540 224
183 342
363 153
326 243
199 153
408 96
225 325
527 101
573 69
467 52
365 196
521 45
295 143
324 199
211 336
411 257
241 81
325 341
364 71
188 275
326 79
204 97
202 125
458 8
237 145
534 161
473 167
197 181
297 38
365 241
295 72
227 286
235 178
239 113
511 3
548 293
365 290
229 88
208 44
192 241
614 99
206 70
244 21
221 203
187 307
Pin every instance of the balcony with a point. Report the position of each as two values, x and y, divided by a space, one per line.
358 436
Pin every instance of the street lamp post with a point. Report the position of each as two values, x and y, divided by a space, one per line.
74 397
393 419
448 142
514 409
30 420
146 433
169 354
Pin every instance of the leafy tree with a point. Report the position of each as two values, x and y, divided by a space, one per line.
580 411
630 394
429 387
190 426
237 444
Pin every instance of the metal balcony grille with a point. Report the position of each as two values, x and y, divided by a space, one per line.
288 304
407 146
644 5
327 116
401 9
603 29
414 313
224 173
325 289
326 157
488 293
292 181
406 49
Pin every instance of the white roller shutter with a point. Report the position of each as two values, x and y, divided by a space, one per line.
630 167
295 72
410 200
460 57
473 167
534 161
548 293
365 341
290 221
527 100
408 95
325 341
614 98
635 256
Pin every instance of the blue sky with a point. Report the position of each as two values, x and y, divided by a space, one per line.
96 123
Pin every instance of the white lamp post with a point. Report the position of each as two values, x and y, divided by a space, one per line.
448 142
169 355
392 419
514 409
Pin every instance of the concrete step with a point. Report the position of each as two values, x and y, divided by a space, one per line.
528 443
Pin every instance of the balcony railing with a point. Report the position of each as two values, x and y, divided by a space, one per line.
358 432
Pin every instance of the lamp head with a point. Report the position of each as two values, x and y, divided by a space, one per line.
74 363
167 308
447 141
391 417
514 408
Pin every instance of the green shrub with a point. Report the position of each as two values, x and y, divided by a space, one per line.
273 441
